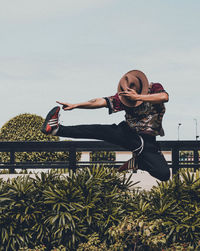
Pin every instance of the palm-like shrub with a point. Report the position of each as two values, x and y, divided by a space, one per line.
177 202
94 209
166 217
85 202
59 210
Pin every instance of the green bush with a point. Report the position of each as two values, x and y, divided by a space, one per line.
95 209
102 156
26 127
43 248
177 203
56 210
165 218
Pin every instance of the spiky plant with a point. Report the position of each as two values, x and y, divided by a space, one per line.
59 210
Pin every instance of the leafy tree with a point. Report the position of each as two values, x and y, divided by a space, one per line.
26 127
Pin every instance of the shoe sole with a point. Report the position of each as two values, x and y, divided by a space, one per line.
49 115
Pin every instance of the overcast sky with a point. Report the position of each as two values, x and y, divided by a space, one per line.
75 50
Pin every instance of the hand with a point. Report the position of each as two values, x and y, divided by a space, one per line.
130 94
66 106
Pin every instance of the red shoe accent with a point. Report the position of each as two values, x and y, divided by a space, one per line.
124 167
48 129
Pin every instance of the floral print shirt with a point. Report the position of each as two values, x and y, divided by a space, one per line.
145 118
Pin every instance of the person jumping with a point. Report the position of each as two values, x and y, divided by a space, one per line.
144 108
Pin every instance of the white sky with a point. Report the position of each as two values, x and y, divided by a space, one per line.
75 50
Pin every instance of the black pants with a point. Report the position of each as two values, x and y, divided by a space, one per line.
150 160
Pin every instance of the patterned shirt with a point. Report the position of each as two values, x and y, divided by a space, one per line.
145 118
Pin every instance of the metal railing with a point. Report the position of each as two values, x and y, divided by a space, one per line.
178 150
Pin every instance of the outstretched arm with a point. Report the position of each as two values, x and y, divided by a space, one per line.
155 98
91 104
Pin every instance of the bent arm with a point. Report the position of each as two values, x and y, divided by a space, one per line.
154 98
91 104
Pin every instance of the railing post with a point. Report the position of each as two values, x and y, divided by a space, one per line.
72 158
12 162
175 160
196 158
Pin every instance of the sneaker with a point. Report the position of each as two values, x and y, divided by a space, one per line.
50 125
131 164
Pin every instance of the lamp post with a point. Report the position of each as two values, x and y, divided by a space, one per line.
179 124
196 132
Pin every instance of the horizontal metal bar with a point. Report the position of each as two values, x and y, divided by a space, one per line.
8 166
82 146
27 146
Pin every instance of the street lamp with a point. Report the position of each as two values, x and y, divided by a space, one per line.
179 124
197 136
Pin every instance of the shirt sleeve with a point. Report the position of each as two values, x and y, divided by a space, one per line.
157 88
114 104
